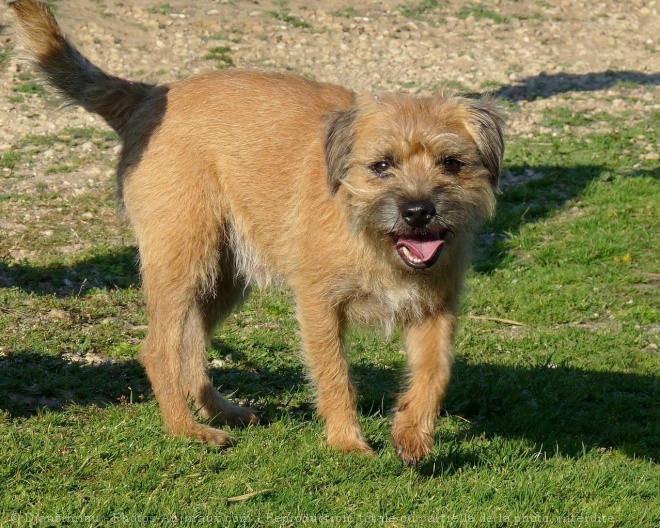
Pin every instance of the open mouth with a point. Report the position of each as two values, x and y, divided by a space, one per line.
421 251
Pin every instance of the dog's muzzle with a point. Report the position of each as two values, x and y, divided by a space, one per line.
419 251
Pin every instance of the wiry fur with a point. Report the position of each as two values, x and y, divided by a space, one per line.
240 177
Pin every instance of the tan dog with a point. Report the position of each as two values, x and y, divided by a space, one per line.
365 207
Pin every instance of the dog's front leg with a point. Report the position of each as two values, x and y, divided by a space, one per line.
429 347
323 341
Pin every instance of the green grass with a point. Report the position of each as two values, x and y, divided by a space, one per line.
31 88
235 36
162 9
5 56
31 145
73 164
480 12
555 421
349 12
284 15
8 160
220 54
560 116
418 10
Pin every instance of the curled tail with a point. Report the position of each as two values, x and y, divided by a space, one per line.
70 73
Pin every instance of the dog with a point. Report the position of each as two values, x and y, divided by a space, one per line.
365 206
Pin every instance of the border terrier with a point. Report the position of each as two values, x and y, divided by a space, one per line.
365 206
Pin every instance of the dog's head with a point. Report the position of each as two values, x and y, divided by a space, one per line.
414 174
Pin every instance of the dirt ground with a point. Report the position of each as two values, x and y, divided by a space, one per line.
537 55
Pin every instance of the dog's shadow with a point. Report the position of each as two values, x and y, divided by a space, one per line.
547 85
529 194
34 381
108 269
559 410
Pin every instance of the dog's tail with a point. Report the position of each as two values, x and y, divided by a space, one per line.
71 74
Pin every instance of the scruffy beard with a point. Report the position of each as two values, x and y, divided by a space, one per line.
379 219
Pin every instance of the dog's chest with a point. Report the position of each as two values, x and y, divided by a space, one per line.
386 304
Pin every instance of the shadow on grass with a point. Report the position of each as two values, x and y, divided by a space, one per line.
531 193
559 409
108 268
30 382
562 409
544 85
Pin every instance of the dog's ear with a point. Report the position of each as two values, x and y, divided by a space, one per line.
488 132
339 145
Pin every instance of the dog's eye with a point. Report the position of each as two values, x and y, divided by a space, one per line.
381 167
452 165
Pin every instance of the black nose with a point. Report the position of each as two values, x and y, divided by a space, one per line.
417 214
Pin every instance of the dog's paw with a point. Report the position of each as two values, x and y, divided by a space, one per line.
360 448
411 453
350 444
212 436
225 413
412 443
238 416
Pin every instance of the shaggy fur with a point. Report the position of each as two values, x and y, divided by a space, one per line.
364 206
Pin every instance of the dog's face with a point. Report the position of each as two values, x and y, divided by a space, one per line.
415 174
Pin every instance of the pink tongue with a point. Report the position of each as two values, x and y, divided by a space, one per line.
424 250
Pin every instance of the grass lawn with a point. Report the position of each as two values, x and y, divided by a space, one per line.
553 420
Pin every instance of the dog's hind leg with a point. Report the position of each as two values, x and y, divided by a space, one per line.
178 235
161 355
202 319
